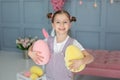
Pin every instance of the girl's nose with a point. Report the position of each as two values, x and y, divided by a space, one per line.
62 24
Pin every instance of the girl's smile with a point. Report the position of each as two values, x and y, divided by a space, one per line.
61 29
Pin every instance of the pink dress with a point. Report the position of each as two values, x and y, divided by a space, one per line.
56 69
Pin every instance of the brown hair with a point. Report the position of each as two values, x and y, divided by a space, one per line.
52 16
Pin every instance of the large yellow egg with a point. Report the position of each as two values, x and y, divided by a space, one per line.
36 70
73 52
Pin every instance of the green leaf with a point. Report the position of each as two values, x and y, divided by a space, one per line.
20 47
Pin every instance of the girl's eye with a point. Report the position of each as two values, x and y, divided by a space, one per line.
57 22
65 22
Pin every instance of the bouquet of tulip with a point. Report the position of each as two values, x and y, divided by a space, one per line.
25 43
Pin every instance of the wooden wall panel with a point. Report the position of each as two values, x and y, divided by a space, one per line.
34 12
10 12
113 40
9 36
89 39
34 32
0 37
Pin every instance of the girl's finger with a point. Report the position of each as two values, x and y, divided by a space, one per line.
38 55
36 61
39 59
71 66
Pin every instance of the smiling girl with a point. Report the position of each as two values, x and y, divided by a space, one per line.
56 69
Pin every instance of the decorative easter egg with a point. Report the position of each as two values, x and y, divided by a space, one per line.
42 47
36 70
27 74
33 76
73 52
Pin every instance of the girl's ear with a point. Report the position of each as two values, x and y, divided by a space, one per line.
53 26
53 30
70 25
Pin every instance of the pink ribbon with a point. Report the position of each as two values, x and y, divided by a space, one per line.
45 33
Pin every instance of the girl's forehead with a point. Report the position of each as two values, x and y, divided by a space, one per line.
61 16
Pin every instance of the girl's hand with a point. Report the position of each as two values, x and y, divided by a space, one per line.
35 56
76 63
38 57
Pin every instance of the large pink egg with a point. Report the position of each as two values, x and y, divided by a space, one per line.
42 47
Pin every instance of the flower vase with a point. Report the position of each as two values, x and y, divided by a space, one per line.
25 54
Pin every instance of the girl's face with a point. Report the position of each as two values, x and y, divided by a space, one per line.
61 24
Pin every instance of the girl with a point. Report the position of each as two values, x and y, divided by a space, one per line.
55 69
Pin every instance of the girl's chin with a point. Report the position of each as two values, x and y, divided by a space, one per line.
62 33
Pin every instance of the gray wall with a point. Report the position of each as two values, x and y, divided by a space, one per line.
96 28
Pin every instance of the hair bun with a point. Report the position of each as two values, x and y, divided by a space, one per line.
49 15
73 19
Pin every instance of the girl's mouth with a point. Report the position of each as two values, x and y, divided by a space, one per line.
61 29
